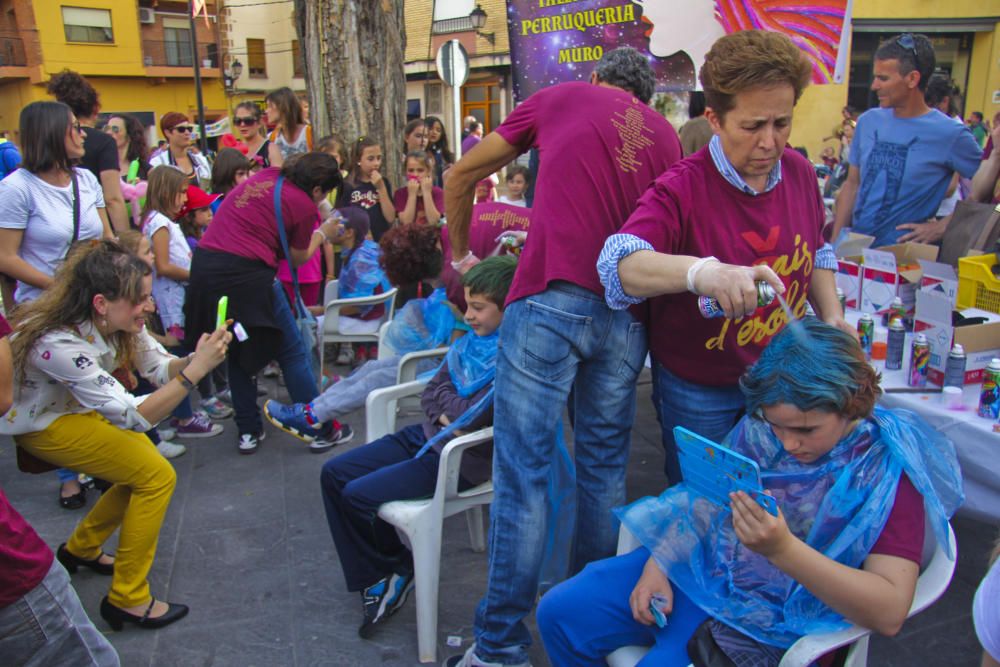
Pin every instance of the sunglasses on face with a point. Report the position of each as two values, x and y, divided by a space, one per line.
907 42
184 128
112 128
244 120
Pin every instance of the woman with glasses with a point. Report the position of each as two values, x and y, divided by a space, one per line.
69 411
133 159
246 120
177 130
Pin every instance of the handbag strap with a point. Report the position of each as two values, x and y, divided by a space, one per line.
76 206
987 231
284 245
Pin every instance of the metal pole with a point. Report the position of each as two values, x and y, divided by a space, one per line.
202 139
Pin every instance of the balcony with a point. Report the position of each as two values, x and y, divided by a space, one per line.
12 52
167 54
448 26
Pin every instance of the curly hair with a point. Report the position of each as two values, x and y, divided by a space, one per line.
73 90
628 69
411 254
751 59
137 149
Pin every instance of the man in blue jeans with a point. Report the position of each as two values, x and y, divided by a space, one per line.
558 333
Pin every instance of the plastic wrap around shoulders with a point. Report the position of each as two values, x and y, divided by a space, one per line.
422 324
472 362
838 505
361 273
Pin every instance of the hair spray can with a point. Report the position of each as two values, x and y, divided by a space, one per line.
709 307
954 370
895 345
989 396
866 334
920 356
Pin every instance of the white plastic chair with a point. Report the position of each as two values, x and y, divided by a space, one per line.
420 521
408 363
330 331
935 575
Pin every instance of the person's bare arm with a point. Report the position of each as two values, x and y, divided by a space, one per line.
6 376
114 201
491 154
161 261
984 181
409 213
274 157
326 231
384 198
844 208
107 233
430 208
11 263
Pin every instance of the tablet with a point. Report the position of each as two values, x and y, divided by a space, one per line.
714 471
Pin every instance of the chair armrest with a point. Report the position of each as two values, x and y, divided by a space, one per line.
627 542
810 648
380 408
407 371
451 460
331 319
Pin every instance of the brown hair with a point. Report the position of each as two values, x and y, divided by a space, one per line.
228 161
170 120
290 108
751 59
424 157
357 148
73 90
130 239
165 183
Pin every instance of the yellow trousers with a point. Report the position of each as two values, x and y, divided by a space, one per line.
143 484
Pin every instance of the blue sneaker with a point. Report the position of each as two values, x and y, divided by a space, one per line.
382 600
292 419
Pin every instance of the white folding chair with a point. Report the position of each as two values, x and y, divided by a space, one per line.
420 521
935 575
330 331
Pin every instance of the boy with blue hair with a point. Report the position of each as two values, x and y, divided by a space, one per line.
404 465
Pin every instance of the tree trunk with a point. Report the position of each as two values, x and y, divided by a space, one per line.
353 52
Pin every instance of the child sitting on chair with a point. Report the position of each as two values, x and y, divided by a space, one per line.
738 586
399 466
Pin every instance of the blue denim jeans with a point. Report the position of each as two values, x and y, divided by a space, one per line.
48 627
708 411
565 337
291 356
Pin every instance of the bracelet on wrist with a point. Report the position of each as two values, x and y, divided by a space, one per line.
184 380
326 239
467 260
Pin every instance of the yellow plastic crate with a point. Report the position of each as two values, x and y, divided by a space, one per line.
977 287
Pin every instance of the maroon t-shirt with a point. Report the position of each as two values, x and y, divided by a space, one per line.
903 534
24 558
245 224
693 210
599 148
402 194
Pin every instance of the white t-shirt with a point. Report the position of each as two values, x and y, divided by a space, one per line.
45 213
503 199
168 293
202 169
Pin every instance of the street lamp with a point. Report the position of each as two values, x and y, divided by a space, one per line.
478 19
232 73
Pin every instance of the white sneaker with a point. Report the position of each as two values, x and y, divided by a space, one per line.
346 354
469 659
170 450
249 442
166 432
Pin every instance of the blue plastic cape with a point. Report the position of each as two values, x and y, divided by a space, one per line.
472 362
361 273
838 505
422 324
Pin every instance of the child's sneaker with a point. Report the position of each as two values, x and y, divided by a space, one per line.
293 419
360 356
226 396
200 426
249 442
346 354
170 450
166 431
382 600
272 370
338 437
216 409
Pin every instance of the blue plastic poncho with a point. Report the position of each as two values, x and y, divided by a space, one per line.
361 273
472 362
422 324
838 505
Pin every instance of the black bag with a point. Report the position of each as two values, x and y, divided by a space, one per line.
704 651
973 226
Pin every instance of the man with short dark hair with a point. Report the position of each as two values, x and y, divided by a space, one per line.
904 153
561 332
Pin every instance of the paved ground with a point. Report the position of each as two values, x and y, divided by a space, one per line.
245 544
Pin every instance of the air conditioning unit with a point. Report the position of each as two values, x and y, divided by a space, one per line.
147 61
147 15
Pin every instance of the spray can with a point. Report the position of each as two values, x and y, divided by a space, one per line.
897 309
954 370
866 334
920 357
709 307
989 396
895 345
842 298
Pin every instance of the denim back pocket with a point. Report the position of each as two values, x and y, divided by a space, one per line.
550 338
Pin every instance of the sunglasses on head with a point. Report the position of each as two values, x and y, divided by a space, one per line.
907 41
183 128
244 120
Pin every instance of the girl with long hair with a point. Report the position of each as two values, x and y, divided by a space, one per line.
437 144
246 118
69 411
133 160
366 188
292 134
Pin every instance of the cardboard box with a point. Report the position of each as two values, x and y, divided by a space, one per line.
980 341
849 266
890 272
939 279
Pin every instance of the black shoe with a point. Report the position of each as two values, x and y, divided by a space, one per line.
71 562
117 617
74 502
382 600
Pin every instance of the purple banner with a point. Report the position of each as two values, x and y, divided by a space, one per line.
552 41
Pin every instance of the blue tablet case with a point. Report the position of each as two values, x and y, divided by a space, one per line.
714 471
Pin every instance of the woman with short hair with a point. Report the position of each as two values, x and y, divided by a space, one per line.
178 131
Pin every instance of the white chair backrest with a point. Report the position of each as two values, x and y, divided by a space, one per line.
330 292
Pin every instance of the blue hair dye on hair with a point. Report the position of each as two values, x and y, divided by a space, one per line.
810 364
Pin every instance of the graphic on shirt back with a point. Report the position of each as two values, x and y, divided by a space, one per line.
634 135
885 165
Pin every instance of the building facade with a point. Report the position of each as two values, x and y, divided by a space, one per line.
137 56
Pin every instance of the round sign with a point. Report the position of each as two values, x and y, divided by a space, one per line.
452 63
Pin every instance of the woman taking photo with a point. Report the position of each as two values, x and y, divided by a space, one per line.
246 118
177 130
133 160
292 135
238 258
69 411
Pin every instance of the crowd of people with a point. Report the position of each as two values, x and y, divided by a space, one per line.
122 257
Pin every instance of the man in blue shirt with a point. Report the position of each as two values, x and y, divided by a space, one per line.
904 153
